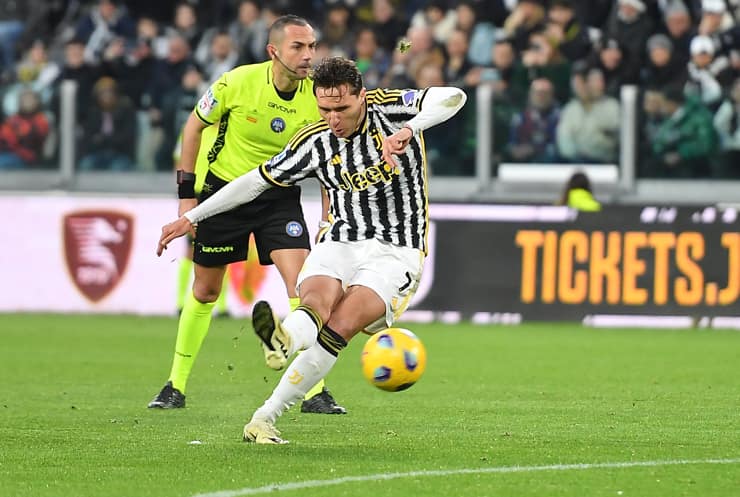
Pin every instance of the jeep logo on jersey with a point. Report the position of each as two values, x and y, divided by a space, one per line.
277 125
294 229
362 180
97 245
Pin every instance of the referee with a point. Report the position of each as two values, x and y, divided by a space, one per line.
368 153
257 108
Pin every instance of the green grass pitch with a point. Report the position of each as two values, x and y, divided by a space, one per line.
501 411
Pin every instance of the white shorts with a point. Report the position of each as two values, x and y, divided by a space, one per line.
391 271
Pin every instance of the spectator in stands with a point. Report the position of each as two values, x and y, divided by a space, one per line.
685 140
371 60
186 26
502 72
12 23
76 69
588 130
438 18
337 28
167 76
650 120
457 64
249 32
707 74
680 28
527 17
106 21
222 57
727 124
148 29
178 105
109 134
663 67
387 24
134 71
22 135
533 131
481 33
465 18
578 194
423 51
542 59
36 71
618 71
714 17
564 28
630 25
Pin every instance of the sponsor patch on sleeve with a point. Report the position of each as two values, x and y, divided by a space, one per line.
277 158
409 97
207 103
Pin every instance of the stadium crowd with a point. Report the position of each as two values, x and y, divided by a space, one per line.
556 68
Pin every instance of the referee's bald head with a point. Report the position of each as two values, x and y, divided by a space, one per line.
277 30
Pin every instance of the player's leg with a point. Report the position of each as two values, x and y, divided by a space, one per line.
220 240
184 272
192 329
359 308
318 400
222 308
382 282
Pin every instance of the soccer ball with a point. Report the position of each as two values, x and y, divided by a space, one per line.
393 359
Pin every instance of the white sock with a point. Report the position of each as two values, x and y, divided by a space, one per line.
302 330
303 373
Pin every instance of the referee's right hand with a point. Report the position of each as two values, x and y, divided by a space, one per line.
174 230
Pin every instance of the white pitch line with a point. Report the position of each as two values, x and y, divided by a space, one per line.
300 485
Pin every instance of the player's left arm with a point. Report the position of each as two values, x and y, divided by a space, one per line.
436 105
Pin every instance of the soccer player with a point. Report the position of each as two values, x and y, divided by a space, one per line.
368 153
258 108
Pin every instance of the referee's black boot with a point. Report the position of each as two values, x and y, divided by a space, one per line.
169 398
322 403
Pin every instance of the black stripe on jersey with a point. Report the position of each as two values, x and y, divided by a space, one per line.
383 206
368 160
397 193
349 213
416 218
202 119
305 132
220 139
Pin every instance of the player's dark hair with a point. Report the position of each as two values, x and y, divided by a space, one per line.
281 22
333 72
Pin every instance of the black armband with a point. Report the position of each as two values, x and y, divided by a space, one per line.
185 184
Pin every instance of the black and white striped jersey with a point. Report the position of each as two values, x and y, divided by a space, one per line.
368 197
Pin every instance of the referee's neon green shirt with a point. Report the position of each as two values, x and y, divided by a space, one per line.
254 123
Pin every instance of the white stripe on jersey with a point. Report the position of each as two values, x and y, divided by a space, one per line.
368 198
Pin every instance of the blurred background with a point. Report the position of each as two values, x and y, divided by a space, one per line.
642 96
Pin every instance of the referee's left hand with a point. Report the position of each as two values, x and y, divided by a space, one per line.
396 145
172 231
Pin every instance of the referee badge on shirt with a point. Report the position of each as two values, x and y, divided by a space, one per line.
277 125
294 229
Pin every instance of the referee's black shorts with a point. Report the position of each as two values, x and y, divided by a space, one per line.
275 218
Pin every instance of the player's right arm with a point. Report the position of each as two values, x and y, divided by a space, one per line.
209 109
